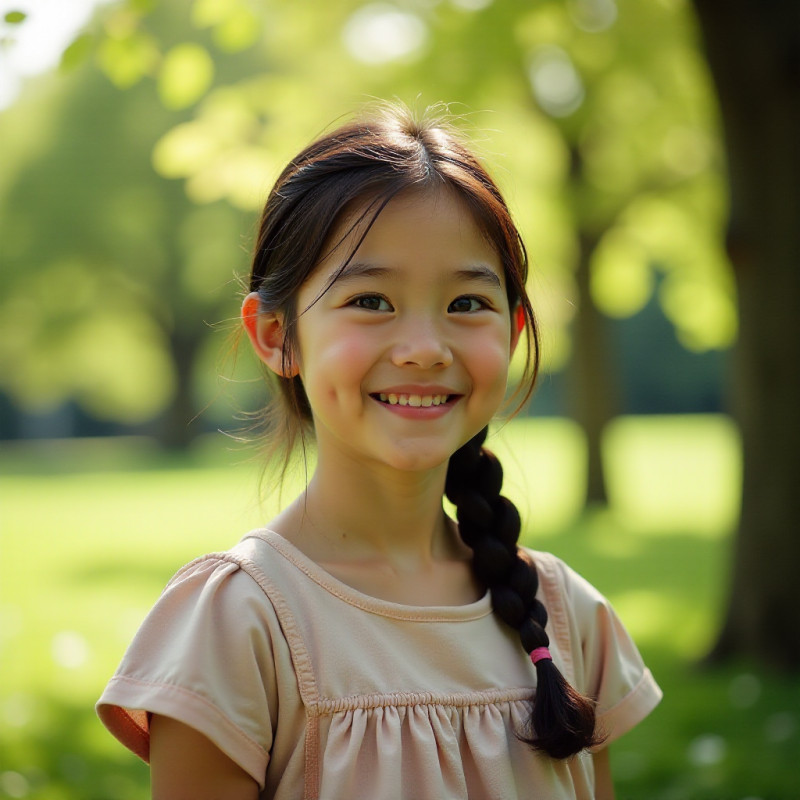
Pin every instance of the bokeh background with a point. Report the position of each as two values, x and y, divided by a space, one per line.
648 150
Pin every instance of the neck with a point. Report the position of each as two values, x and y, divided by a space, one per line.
356 511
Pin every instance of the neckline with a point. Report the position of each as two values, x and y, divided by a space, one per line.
375 605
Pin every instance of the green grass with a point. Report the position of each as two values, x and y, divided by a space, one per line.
91 532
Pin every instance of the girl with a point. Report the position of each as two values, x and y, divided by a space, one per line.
364 644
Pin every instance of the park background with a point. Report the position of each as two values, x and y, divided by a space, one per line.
651 182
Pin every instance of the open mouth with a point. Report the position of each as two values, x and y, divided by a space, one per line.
414 400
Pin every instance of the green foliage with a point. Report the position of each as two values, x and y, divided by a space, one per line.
15 17
235 25
595 117
78 52
127 56
185 75
110 521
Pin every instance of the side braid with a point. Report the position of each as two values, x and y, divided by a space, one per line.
562 721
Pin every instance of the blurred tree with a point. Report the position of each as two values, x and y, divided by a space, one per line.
111 275
754 54
604 146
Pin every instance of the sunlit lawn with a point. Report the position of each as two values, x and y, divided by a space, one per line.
92 531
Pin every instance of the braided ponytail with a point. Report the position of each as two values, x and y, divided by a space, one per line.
562 720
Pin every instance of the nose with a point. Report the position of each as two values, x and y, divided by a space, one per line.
420 343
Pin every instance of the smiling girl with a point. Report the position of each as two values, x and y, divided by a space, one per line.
364 644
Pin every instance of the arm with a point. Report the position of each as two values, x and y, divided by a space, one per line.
185 765
603 785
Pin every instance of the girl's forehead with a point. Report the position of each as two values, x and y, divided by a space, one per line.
432 217
411 202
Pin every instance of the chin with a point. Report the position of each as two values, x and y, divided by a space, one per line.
417 461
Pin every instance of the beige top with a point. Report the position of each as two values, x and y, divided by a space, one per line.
320 691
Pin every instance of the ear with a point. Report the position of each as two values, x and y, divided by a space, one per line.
517 326
266 332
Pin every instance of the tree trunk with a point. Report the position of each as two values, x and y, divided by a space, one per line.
592 379
176 431
753 51
591 385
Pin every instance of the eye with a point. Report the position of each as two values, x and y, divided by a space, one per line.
465 304
371 302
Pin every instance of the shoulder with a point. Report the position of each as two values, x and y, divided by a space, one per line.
242 570
559 581
577 609
216 602
210 654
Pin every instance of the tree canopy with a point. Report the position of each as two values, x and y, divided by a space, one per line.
145 161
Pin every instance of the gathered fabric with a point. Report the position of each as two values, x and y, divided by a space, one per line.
319 691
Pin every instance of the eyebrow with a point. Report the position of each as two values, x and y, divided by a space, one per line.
478 273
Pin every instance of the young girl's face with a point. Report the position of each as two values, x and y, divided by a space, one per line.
405 357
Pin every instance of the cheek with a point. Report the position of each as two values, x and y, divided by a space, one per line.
333 362
349 358
489 359
496 366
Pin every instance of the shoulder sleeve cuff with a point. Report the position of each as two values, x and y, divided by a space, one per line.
630 711
118 712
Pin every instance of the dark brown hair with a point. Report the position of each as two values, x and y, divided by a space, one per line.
368 162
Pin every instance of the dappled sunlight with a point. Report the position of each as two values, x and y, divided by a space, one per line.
542 463
697 293
555 82
219 154
234 24
676 611
70 649
110 381
127 55
648 615
675 473
606 534
622 277
240 177
185 76
471 5
707 317
593 16
664 474
378 33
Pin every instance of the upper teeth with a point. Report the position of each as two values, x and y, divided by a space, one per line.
414 399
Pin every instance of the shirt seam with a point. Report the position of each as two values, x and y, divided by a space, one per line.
335 705
558 621
181 690
370 605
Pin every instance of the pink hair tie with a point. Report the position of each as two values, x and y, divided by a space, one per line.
540 654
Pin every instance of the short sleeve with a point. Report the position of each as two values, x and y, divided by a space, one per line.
204 656
605 662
